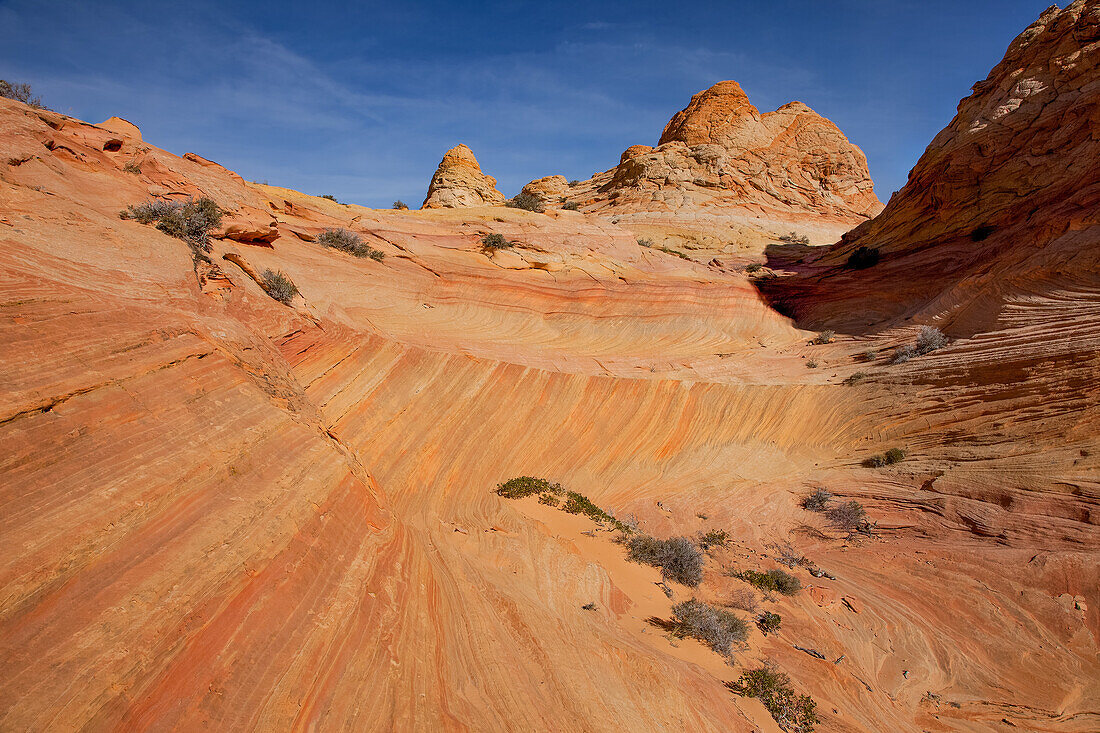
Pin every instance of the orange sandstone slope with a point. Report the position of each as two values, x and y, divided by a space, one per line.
231 513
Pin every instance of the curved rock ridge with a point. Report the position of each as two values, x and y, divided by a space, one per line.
458 183
1006 198
721 153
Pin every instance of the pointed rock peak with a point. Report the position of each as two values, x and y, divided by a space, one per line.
458 182
709 114
121 127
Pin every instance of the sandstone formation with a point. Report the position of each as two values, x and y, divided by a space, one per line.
222 512
459 183
550 190
720 153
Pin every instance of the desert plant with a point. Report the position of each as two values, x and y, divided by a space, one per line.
894 455
400 205
329 196
849 516
132 167
818 500
589 607
570 206
548 499
644 242
795 238
768 622
574 183
20 93
903 354
753 267
522 486
929 339
743 598
527 202
190 221
493 242
825 337
855 378
279 286
715 627
713 538
875 461
350 242
772 581
795 713
811 363
677 557
869 355
863 257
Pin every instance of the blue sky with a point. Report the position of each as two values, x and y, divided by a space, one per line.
363 101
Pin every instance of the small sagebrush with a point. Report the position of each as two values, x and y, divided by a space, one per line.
400 205
715 627
713 538
849 516
20 93
191 221
494 242
817 501
677 557
794 713
522 486
772 581
570 206
279 286
769 622
350 242
526 201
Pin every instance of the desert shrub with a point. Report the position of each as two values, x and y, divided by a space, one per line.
574 183
795 713
493 242
548 499
848 516
350 242
279 286
825 337
589 607
753 267
527 202
580 504
713 538
400 205
862 258
743 598
20 93
772 581
875 461
329 196
855 378
817 501
903 354
642 241
894 455
713 626
869 355
190 221
929 339
811 364
570 206
677 557
522 486
795 238
768 622
132 167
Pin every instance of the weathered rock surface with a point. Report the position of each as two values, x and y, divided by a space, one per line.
721 153
550 190
459 183
225 513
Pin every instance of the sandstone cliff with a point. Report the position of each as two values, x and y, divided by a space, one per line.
459 183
